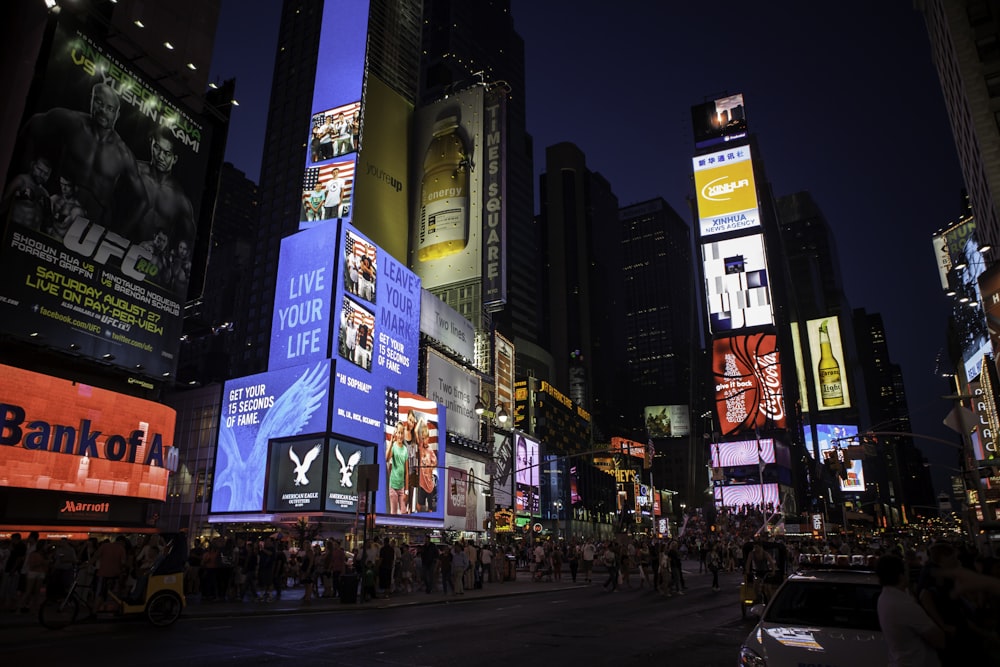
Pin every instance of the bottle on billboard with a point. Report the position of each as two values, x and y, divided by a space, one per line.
444 192
831 388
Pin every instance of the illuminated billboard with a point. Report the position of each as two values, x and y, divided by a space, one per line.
457 389
829 368
800 367
104 235
315 473
742 453
503 469
411 483
746 371
737 288
446 204
754 495
377 315
628 447
726 191
255 410
526 474
833 440
447 326
667 421
465 507
67 436
721 120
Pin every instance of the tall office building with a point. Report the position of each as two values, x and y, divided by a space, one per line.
582 250
659 323
966 52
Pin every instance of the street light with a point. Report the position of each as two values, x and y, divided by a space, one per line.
499 413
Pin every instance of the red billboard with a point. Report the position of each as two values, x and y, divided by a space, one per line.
747 375
71 437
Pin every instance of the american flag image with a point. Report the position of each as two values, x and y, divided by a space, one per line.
321 175
399 404
353 311
358 247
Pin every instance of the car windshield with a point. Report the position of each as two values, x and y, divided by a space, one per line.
826 604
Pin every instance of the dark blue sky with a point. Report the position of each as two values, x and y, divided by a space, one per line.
843 97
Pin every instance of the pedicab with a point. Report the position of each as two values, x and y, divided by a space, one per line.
758 584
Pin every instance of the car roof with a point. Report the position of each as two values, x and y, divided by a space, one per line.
839 575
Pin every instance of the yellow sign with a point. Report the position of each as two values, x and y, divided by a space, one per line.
726 191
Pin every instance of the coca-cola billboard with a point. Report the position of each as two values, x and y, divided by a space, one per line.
747 375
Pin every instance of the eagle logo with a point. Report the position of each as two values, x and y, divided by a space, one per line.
302 467
347 467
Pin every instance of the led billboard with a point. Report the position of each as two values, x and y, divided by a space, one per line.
526 474
736 283
721 120
503 469
255 410
446 205
103 237
747 375
829 368
411 481
726 191
754 495
742 453
377 313
465 508
59 435
315 473
832 441
667 421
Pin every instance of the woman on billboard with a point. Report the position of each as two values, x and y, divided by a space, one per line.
428 463
397 465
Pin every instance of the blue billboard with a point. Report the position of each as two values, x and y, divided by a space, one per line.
255 410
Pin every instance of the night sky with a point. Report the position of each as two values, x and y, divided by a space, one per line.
843 97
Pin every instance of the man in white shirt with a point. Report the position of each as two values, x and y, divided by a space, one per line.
912 637
486 558
588 559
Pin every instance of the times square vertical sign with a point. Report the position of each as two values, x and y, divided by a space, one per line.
101 211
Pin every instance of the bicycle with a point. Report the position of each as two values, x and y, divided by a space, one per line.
74 606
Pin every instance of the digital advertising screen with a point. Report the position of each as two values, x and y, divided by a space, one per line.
255 410
719 121
829 368
726 191
446 203
742 453
465 507
503 474
747 494
295 475
60 435
526 474
103 233
342 485
411 480
832 440
378 333
800 367
667 421
746 371
736 283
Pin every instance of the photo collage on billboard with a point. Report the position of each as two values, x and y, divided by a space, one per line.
102 210
257 409
746 372
526 473
413 456
736 283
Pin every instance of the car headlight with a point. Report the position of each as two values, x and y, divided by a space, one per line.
748 658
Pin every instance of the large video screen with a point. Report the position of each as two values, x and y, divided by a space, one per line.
465 508
829 367
737 288
721 120
746 371
315 473
58 435
103 228
667 421
413 455
754 495
742 453
503 473
526 473
255 410
726 191
832 441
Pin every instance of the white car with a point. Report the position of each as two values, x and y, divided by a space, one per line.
819 617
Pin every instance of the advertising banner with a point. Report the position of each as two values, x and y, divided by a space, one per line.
503 372
667 421
466 505
829 370
719 121
747 375
742 453
457 389
503 474
736 283
984 407
754 495
726 191
295 475
413 455
58 435
833 439
342 485
495 199
255 410
446 325
526 474
800 368
103 210
378 333
446 235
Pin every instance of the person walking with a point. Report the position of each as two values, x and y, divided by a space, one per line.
589 551
611 562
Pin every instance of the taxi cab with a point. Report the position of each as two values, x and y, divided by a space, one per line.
820 616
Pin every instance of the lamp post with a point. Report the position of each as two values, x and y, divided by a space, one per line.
500 415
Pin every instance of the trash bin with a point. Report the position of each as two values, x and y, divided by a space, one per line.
348 588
